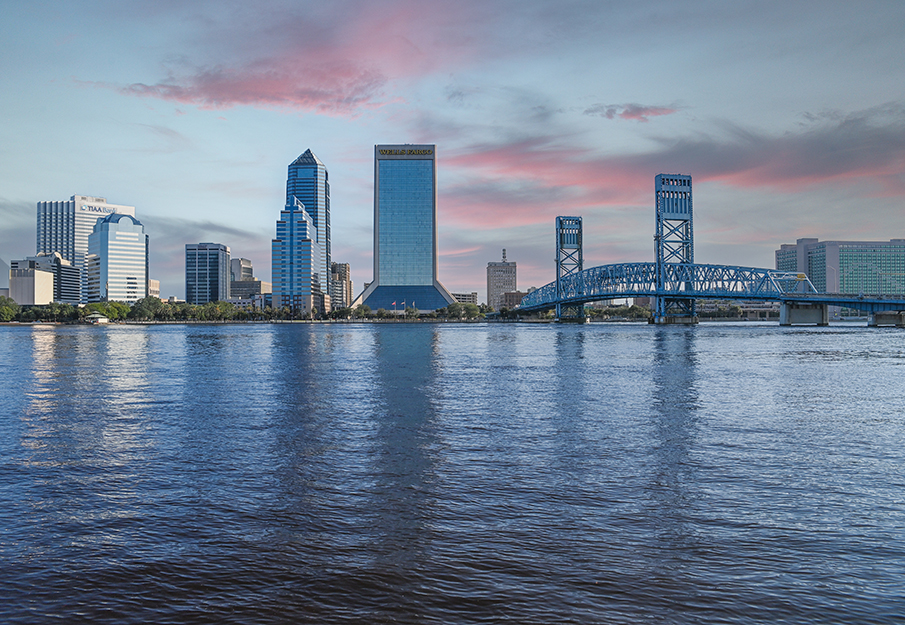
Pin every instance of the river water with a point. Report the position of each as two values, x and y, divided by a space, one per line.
452 473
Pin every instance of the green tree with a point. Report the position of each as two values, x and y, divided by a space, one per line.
362 311
455 310
411 313
9 309
471 311
341 313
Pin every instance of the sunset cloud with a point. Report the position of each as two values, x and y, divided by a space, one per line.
635 112
340 88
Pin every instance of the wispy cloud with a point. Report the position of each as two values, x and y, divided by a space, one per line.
337 60
634 112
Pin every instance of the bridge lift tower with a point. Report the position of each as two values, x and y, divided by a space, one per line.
674 244
569 261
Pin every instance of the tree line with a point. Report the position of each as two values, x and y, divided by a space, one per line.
155 309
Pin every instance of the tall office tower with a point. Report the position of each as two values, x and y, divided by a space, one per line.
309 182
296 255
340 285
240 269
405 231
501 278
64 227
206 273
117 263
67 278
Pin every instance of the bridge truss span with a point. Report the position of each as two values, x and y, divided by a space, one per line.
687 280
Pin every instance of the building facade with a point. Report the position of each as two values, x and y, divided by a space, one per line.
849 267
249 289
65 226
511 299
466 298
341 292
295 257
207 270
67 287
308 181
501 278
116 267
405 231
30 285
241 269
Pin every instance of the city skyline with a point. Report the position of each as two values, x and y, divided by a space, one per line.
791 119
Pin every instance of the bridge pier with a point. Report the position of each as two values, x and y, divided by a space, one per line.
886 318
797 312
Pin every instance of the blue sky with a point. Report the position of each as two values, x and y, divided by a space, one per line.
790 117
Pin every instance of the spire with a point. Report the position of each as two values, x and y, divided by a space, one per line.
504 254
308 158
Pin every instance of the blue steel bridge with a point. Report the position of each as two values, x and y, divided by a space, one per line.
675 281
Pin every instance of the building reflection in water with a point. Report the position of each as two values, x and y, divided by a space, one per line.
405 488
673 488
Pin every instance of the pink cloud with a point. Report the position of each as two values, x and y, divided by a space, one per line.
529 181
336 89
636 112
338 60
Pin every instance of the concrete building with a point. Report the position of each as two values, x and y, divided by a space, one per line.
309 182
341 292
240 269
405 230
511 299
247 289
207 270
501 278
466 298
67 288
4 278
154 288
31 286
296 255
117 262
65 227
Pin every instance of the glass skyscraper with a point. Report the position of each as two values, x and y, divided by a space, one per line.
117 261
295 255
309 182
405 230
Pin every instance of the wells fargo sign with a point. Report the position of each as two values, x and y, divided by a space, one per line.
405 152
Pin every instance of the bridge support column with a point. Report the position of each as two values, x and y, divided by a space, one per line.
887 318
673 320
791 313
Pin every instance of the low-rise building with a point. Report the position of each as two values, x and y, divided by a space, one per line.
466 298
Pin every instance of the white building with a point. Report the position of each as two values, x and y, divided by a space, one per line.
66 278
65 226
31 286
117 261
466 298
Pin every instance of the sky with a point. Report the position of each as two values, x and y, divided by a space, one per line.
789 116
